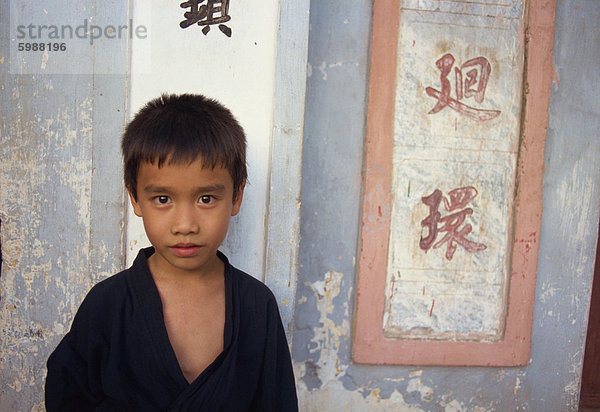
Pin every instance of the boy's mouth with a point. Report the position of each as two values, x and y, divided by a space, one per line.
186 249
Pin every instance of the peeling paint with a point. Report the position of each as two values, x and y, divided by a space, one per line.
517 385
329 369
415 373
351 400
322 68
416 385
46 179
328 335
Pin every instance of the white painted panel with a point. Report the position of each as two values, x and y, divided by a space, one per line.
283 222
239 72
455 149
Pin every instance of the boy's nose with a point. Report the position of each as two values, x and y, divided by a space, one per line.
186 221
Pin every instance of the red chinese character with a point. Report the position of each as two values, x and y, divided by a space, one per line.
459 198
478 76
432 220
484 74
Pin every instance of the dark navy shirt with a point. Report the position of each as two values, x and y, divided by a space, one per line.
117 355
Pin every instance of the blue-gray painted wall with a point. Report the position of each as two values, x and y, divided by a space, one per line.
331 191
61 200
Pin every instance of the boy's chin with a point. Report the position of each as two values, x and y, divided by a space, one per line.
200 261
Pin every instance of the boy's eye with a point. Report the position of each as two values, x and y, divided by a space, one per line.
205 199
163 200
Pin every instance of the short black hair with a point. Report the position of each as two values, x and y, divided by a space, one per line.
181 129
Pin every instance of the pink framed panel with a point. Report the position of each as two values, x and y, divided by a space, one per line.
369 343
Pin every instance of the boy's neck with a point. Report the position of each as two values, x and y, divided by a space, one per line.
166 273
193 305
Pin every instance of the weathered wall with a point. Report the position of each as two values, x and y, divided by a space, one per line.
60 199
332 164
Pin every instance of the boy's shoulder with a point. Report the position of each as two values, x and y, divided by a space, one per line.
251 294
134 285
108 296
116 285
110 288
246 283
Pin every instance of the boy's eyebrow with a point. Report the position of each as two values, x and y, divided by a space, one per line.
163 189
218 188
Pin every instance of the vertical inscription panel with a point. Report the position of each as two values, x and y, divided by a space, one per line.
456 125
451 206
447 284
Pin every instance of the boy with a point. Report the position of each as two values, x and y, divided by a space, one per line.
182 329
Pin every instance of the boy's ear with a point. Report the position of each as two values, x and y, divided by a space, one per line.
136 206
237 202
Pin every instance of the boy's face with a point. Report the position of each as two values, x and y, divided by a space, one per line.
186 211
